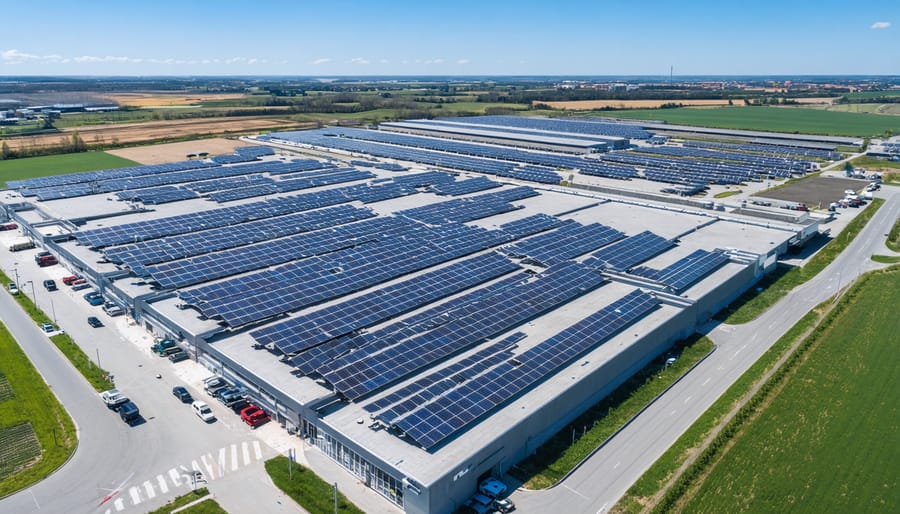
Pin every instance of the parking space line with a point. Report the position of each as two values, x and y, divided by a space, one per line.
257 450
234 457
163 486
245 449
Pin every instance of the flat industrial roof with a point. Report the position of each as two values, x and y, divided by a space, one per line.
496 134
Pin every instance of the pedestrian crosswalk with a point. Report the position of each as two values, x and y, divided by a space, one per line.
212 465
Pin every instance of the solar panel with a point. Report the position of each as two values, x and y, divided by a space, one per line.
624 254
435 420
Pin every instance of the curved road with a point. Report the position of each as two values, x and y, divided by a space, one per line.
605 477
155 453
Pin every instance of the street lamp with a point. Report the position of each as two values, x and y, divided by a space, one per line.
16 269
33 297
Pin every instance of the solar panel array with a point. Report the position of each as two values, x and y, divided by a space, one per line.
435 421
629 252
157 195
774 150
570 240
687 270
464 187
303 283
325 357
221 184
771 164
530 225
460 210
354 377
433 385
688 170
206 267
96 176
309 180
138 255
313 329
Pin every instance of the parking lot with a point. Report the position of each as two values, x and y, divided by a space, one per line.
815 192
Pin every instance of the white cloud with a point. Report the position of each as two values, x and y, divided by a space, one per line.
14 56
433 61
881 25
463 61
322 60
106 58
359 60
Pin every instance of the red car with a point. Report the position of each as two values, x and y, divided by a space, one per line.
254 416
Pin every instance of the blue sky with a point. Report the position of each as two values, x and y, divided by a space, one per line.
462 37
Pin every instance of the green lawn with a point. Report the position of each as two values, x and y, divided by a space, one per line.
306 488
31 402
830 440
17 169
776 119
207 506
865 95
873 163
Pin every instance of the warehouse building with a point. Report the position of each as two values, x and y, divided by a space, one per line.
425 329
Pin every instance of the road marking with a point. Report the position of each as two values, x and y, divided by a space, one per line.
257 450
221 461
208 466
706 381
175 476
234 458
163 486
673 413
151 493
603 508
576 492
688 399
119 504
135 495
617 465
246 451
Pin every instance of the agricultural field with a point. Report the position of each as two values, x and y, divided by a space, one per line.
891 109
166 130
871 163
31 167
828 441
655 104
36 434
161 99
171 152
868 95
777 119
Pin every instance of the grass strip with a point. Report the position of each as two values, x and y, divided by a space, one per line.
642 492
34 403
893 240
306 488
886 259
784 279
94 374
562 453
685 484
726 194
187 498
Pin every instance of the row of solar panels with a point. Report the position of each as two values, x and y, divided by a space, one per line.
775 150
600 128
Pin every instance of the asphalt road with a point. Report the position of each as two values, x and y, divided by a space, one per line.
605 477
144 465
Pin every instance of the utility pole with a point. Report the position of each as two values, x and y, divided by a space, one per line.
335 498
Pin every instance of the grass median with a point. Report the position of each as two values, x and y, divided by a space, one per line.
578 440
315 495
206 506
784 279
36 434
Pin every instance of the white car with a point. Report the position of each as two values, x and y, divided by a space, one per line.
202 410
13 289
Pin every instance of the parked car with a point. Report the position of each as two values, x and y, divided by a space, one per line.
214 385
94 321
113 398
254 416
202 410
505 505
112 309
240 405
129 412
230 396
13 288
182 394
179 356
48 327
50 285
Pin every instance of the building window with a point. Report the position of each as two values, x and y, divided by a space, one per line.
373 476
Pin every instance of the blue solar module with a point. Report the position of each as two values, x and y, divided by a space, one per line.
606 128
530 225
432 422
202 268
570 240
465 187
687 270
157 195
304 332
629 252
356 376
